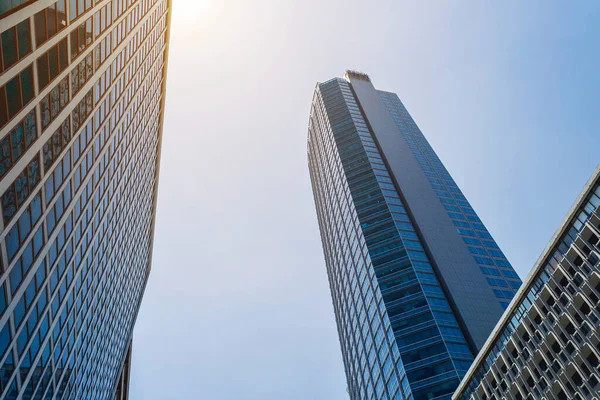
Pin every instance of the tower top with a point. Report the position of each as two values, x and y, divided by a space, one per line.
356 74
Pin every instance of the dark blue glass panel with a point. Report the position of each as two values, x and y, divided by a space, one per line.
12 242
4 339
15 276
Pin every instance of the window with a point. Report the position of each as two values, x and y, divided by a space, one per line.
102 19
104 82
456 215
56 212
52 63
56 179
103 50
16 44
78 7
54 102
490 271
83 110
477 250
496 282
15 95
510 274
466 232
102 112
9 7
483 260
13 145
81 38
18 192
56 144
50 21
484 235
502 263
460 223
469 240
490 243
503 294
496 253
82 73
20 231
5 339
82 140
514 285
120 6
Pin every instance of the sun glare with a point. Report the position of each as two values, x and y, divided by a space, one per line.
190 10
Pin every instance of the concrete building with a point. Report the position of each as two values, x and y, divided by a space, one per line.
81 102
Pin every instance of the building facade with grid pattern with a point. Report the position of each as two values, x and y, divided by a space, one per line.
547 344
407 328
82 85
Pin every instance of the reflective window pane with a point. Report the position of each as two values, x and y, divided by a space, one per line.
40 27
13 96
17 142
24 38
43 71
9 48
27 92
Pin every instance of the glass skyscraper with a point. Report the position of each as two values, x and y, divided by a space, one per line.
417 281
81 102
547 344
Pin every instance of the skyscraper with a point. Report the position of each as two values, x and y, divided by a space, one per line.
81 102
417 281
547 344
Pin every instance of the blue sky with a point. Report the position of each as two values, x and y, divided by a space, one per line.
238 305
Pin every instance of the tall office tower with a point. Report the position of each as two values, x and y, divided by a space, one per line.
81 104
417 281
547 344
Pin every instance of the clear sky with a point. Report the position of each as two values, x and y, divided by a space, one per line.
238 305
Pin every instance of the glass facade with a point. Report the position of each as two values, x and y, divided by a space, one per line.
399 337
547 345
81 102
